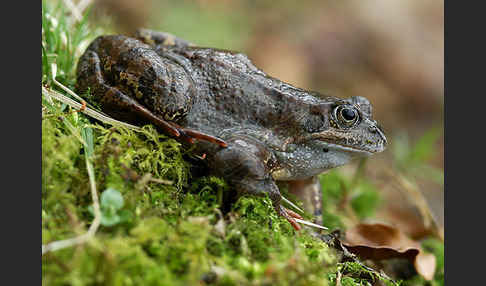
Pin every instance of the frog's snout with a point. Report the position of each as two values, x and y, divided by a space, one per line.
378 131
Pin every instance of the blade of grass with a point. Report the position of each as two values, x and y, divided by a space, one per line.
292 204
88 111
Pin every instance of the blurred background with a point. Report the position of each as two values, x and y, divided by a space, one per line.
388 51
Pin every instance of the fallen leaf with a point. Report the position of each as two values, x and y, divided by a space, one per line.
425 265
379 241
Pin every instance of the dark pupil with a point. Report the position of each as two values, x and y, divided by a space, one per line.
348 114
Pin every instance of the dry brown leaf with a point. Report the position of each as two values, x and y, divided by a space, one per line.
379 241
425 265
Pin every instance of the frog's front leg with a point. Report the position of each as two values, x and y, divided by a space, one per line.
245 165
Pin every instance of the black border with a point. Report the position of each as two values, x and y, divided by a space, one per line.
464 89
464 147
21 140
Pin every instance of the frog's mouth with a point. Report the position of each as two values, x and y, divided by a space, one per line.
353 143
348 149
351 149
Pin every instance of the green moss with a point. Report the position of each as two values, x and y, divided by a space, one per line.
355 274
171 234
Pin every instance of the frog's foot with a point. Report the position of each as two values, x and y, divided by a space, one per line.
190 135
289 216
308 191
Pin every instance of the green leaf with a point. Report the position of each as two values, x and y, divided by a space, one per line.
111 198
111 202
87 134
109 219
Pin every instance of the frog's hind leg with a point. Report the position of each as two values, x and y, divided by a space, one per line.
156 38
114 102
122 107
124 104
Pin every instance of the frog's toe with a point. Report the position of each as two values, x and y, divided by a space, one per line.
293 214
190 135
289 216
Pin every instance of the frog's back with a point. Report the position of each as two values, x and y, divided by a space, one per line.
232 93
206 89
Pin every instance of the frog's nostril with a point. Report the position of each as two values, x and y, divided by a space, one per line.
376 129
383 138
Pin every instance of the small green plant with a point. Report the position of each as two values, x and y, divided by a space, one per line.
111 202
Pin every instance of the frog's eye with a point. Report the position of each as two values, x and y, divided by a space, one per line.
347 115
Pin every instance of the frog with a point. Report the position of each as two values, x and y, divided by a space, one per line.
255 131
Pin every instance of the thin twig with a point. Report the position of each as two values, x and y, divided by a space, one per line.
54 73
161 181
88 111
72 93
338 278
292 204
81 107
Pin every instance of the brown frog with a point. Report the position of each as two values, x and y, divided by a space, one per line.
255 129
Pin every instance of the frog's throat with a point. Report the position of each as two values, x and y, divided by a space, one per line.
346 141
